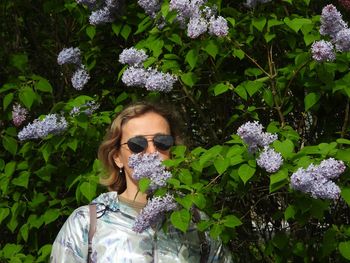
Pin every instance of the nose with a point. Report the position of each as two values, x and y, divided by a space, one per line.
151 148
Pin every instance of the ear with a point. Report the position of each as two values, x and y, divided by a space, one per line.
117 160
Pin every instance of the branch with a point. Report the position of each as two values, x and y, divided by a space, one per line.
346 120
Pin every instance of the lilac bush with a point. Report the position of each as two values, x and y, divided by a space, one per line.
323 51
270 160
19 114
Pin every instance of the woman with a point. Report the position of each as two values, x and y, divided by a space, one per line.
140 128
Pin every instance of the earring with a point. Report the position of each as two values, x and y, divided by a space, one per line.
121 170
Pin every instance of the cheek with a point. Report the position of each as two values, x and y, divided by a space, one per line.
165 155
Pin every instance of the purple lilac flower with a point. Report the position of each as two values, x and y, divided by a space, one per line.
88 108
51 124
80 78
159 81
270 160
151 7
331 21
315 180
196 27
19 114
218 26
209 12
342 40
133 76
253 135
149 166
322 51
69 56
132 56
331 168
154 212
101 16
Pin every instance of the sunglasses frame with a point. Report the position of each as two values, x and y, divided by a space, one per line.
155 143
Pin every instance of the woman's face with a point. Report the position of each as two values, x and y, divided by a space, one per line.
148 125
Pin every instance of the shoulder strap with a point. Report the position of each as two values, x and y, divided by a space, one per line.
92 229
204 244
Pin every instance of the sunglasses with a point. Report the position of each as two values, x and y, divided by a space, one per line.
139 143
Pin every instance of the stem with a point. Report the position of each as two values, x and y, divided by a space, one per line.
272 75
199 110
346 120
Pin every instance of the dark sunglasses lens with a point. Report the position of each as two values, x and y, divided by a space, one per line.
137 144
163 142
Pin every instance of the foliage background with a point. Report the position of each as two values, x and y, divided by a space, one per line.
261 71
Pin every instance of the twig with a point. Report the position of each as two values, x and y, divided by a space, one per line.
346 120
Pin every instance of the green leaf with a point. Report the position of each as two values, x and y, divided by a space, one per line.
199 200
252 87
240 90
10 168
43 85
24 230
221 164
286 148
310 38
273 22
144 184
4 212
10 144
232 221
345 193
211 48
22 179
19 61
245 172
203 225
181 219
191 58
259 23
239 53
146 23
185 176
290 212
7 100
268 97
189 78
91 32
278 180
9 250
125 32
220 88
311 99
27 96
186 201
216 230
296 23
176 39
116 28
51 215
88 190
344 249
343 141
44 253
268 37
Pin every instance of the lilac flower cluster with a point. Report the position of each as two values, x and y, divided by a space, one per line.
270 160
132 57
102 11
80 78
137 76
332 25
323 51
345 4
88 108
151 7
19 114
51 124
73 56
69 56
253 3
149 165
316 180
154 212
199 18
253 135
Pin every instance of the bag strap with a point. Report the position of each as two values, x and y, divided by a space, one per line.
92 229
204 244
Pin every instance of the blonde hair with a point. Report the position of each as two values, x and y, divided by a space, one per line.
113 179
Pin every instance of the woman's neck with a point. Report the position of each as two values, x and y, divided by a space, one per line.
133 194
